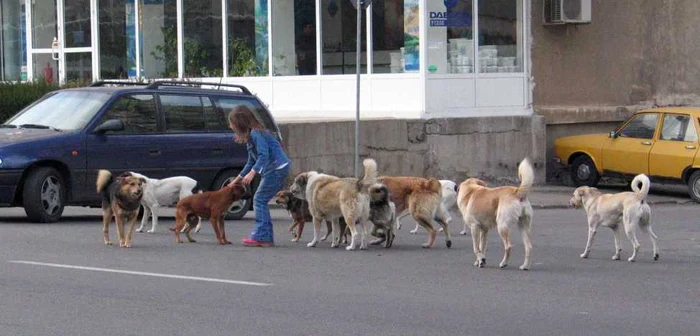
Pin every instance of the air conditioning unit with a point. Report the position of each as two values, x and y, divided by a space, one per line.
557 12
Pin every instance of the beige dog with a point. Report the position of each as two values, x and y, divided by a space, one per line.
504 208
627 208
331 197
421 198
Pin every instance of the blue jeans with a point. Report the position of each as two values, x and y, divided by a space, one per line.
270 184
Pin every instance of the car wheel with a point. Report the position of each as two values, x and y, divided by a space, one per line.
239 208
694 186
584 172
44 195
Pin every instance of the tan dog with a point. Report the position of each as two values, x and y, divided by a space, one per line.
331 197
422 199
504 208
121 199
210 204
627 208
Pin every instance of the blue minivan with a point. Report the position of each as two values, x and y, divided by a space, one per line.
51 150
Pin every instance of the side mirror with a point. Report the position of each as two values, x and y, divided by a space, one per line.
109 125
612 134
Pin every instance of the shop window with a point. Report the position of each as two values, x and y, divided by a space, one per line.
117 39
77 23
339 37
395 41
450 37
500 36
158 38
13 44
247 38
202 45
294 37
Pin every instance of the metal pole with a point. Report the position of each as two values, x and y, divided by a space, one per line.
357 101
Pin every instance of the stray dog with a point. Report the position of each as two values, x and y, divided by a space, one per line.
121 198
627 208
504 208
210 204
299 211
421 198
382 212
449 199
162 193
331 197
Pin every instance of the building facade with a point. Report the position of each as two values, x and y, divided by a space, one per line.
419 59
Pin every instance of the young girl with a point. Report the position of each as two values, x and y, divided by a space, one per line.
265 157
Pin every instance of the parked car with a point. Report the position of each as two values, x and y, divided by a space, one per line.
51 150
661 143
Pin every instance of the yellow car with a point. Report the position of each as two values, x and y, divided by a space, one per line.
661 143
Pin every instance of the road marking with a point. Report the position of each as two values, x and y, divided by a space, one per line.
160 275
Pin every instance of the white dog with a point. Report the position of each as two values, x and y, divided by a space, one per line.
163 193
627 208
449 198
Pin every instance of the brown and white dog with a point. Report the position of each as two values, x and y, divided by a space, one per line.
422 199
331 197
627 208
299 211
210 204
121 199
504 208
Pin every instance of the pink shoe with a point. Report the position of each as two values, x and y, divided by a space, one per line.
255 243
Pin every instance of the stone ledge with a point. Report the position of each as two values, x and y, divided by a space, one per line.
585 114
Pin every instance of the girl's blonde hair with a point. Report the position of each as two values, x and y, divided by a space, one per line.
242 120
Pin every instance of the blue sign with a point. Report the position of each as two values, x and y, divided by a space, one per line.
449 19
450 3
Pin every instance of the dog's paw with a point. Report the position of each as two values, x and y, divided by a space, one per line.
630 259
449 243
414 231
616 257
311 244
482 262
476 262
524 268
656 257
350 248
441 230
584 256
152 231
139 230
109 243
425 245
503 265
463 232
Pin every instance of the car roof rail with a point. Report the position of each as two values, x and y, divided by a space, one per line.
114 82
158 84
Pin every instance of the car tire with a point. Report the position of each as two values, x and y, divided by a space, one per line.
694 186
584 172
44 195
239 208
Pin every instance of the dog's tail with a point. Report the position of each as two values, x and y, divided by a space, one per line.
644 191
370 177
527 178
104 177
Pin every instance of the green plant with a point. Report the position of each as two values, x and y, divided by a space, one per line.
15 96
242 58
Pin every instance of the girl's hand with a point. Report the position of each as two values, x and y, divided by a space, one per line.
235 180
249 177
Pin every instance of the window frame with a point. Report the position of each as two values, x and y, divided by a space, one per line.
691 120
188 94
110 104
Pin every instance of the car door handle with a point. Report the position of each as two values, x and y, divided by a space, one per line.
217 150
690 147
154 152
646 143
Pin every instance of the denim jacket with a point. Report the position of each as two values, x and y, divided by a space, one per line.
265 153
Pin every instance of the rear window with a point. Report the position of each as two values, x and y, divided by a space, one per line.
226 104
188 113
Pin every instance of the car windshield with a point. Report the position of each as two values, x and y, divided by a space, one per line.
65 110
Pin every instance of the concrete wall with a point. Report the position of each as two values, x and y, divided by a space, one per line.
489 148
634 52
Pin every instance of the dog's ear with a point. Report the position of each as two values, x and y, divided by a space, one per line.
143 180
125 174
302 179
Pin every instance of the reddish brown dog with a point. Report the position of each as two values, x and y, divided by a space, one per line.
210 204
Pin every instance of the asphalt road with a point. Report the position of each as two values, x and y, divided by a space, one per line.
60 279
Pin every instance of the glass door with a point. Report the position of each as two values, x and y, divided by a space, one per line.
62 44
